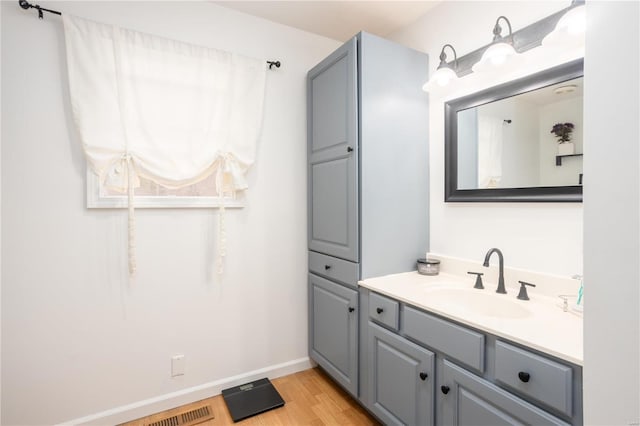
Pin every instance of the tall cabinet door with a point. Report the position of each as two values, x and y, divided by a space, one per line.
333 333
401 379
333 154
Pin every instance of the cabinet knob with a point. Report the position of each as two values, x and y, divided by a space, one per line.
423 376
444 389
349 149
379 310
351 309
524 377
327 267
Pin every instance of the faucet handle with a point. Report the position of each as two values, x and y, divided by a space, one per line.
478 283
523 290
565 300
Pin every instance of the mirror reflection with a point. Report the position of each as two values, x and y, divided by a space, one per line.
533 139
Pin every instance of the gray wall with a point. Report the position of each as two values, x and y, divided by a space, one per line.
394 160
611 215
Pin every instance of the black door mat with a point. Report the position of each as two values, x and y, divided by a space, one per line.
251 398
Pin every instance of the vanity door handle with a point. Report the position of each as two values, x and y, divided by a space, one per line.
351 309
524 377
444 389
423 376
349 149
379 310
327 267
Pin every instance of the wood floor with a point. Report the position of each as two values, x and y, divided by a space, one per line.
311 398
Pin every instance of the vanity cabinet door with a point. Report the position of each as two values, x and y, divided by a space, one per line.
333 154
333 335
401 379
466 399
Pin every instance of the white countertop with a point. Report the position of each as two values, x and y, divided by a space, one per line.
546 328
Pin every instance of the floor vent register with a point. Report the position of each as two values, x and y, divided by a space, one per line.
188 418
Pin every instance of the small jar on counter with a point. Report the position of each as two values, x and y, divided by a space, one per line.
428 266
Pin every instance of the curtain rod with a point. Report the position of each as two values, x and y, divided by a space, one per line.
26 6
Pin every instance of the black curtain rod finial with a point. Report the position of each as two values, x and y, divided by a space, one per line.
26 6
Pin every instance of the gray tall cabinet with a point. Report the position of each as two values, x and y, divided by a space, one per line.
368 186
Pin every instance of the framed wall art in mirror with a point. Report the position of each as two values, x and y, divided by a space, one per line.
518 142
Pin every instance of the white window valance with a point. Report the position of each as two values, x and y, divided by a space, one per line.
165 110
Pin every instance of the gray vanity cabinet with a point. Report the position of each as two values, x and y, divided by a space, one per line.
401 379
334 330
368 180
471 401
418 368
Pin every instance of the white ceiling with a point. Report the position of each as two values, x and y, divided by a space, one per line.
339 20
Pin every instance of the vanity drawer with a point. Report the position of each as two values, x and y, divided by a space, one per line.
337 269
456 342
535 376
384 311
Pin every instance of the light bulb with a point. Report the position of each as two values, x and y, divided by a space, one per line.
573 22
442 77
496 55
569 30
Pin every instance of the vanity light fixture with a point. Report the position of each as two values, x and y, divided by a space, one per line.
570 28
500 50
504 53
444 74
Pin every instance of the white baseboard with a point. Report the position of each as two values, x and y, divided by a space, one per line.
157 404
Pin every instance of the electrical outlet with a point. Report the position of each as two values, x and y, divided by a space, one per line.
177 365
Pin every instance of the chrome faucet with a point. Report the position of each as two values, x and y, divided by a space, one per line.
501 288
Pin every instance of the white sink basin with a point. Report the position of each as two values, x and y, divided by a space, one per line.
479 302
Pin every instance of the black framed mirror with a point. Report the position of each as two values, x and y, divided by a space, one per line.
518 142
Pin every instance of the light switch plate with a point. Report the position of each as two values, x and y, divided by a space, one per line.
177 365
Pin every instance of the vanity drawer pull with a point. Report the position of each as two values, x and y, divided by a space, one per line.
351 309
335 269
384 311
444 389
534 376
423 376
524 377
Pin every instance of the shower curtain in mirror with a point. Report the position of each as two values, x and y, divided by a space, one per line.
489 151
165 110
